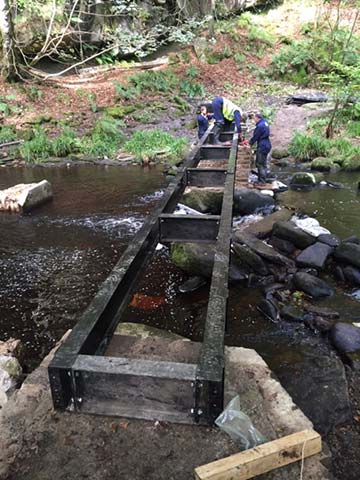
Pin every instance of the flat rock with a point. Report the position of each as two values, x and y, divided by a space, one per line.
322 311
289 231
263 249
318 385
263 228
306 97
283 246
269 309
314 256
349 253
311 285
329 239
25 196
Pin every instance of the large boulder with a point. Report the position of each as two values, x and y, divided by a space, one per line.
303 179
318 385
311 285
289 231
198 259
314 256
329 239
193 258
323 164
204 200
248 201
280 152
348 253
264 250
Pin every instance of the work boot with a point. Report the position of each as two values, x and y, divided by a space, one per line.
216 131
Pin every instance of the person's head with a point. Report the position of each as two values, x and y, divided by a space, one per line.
258 117
244 117
203 110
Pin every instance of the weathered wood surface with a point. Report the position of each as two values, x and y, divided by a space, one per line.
189 228
263 458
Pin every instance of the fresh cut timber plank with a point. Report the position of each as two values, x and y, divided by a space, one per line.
263 458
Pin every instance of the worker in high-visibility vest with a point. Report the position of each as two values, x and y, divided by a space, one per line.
225 112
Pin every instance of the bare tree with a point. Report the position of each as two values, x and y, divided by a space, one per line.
9 49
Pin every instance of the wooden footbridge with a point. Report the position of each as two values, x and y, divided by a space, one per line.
84 378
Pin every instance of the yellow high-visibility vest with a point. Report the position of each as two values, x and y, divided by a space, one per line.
229 108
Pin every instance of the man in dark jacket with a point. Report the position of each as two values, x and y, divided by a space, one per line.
261 137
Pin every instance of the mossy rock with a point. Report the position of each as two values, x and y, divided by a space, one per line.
322 164
352 163
303 179
204 200
279 153
338 159
119 111
194 258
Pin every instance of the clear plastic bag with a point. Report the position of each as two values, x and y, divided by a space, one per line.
239 426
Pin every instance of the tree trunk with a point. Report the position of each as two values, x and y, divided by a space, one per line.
330 127
9 50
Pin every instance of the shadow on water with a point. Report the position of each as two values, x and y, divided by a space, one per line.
53 259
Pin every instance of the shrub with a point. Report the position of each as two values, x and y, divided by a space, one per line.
261 35
306 147
148 144
37 149
192 89
66 143
7 134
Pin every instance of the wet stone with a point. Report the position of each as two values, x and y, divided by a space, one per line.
269 309
311 285
250 259
352 275
314 256
353 239
329 239
292 313
283 246
349 253
345 337
289 231
192 284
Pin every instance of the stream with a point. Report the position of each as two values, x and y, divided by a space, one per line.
53 260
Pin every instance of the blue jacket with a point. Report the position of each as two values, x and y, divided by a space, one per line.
261 136
203 125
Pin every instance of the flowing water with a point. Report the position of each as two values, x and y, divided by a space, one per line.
53 260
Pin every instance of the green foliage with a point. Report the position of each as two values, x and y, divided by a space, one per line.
245 20
239 58
34 93
7 134
192 89
38 149
149 144
306 147
289 63
65 143
261 35
192 72
353 128
148 82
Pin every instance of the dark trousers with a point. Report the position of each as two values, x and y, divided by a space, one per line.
260 163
